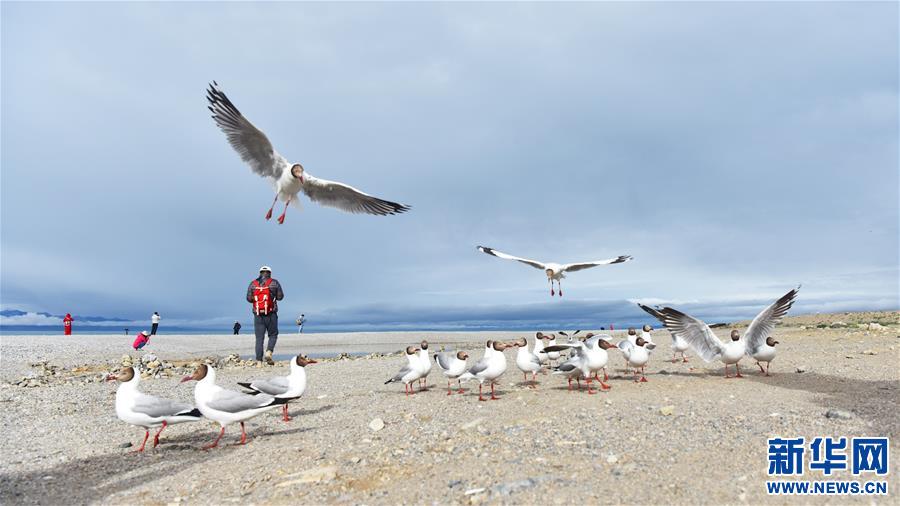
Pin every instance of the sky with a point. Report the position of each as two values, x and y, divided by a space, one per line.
735 150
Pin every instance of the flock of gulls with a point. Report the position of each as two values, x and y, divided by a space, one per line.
580 357
587 355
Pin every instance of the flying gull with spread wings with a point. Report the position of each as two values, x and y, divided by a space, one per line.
289 178
554 271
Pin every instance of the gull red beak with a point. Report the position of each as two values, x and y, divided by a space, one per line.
312 362
186 379
110 377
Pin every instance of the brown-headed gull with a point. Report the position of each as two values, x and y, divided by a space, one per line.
141 410
527 361
226 406
289 178
679 344
554 271
491 366
637 354
452 365
288 387
408 373
592 357
424 365
708 345
765 353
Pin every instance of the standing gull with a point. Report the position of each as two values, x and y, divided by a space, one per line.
554 271
146 411
452 365
288 387
289 178
226 406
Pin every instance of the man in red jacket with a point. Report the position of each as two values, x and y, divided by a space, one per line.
263 295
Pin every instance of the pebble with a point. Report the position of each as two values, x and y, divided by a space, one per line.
802 369
376 424
611 459
667 410
869 352
125 445
838 414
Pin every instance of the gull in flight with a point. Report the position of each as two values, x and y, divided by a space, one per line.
289 178
709 347
554 271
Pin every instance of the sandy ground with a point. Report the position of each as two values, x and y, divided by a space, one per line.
64 445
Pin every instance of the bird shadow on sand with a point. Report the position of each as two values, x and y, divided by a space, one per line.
871 400
95 478
313 411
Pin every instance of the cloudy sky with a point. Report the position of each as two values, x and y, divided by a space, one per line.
735 150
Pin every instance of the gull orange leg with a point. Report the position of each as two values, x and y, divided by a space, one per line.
459 386
156 437
243 435
269 214
761 370
738 368
493 397
726 371
767 367
448 388
480 398
286 204
284 411
643 378
590 390
144 442
216 442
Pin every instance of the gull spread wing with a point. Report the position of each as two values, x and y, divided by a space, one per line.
235 402
347 198
250 142
696 332
443 360
587 265
500 254
764 323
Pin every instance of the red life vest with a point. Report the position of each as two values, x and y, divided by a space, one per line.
263 302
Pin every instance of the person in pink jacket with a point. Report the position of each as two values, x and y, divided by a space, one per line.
142 338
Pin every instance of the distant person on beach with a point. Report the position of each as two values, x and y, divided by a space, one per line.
154 323
300 321
67 324
263 294
237 327
141 340
126 331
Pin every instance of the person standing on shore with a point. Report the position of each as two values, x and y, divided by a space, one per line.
237 327
67 324
300 321
154 323
263 294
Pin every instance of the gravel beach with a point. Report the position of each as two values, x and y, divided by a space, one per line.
686 436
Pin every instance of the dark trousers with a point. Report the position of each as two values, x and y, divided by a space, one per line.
263 323
153 329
